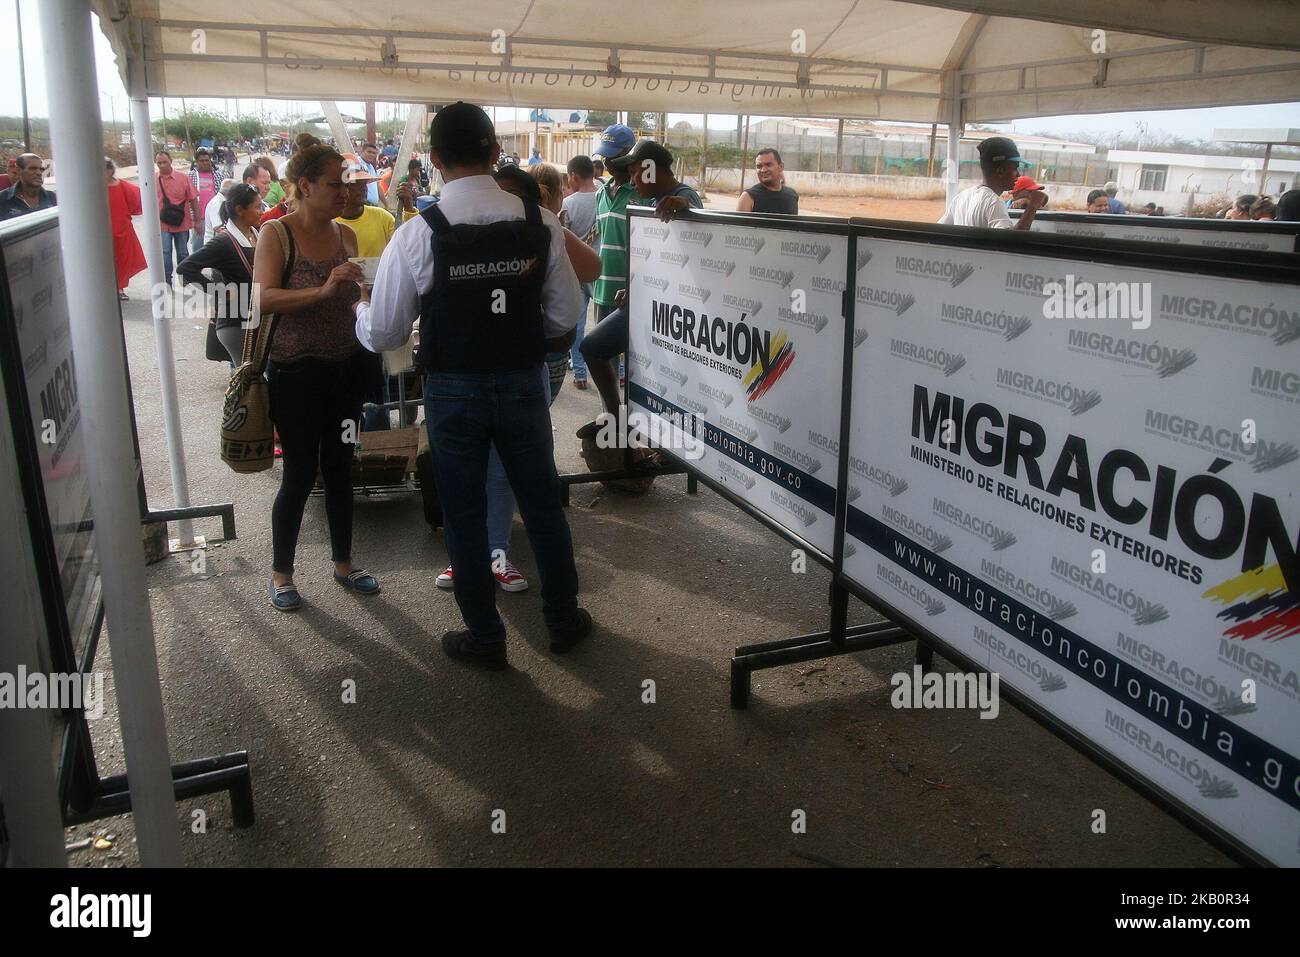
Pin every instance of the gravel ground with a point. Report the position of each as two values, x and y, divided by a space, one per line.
584 771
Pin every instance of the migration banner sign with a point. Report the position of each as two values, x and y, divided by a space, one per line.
736 356
1085 476
36 356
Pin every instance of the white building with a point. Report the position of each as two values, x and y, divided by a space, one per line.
1168 179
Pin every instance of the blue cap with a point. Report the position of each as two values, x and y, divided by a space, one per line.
615 141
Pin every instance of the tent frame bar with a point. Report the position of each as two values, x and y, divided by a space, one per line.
512 42
876 74
668 78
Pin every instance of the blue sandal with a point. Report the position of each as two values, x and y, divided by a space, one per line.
284 597
361 582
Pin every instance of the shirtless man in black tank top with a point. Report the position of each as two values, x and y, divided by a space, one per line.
770 194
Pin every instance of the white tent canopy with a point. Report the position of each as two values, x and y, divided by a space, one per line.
852 58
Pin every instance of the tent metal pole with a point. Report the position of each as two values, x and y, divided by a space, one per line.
101 374
952 175
22 76
162 330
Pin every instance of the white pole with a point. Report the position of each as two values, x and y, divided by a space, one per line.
952 173
162 330
101 375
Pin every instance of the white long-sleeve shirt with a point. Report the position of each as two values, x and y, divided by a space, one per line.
406 269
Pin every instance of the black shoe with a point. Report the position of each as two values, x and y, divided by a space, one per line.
588 431
564 637
459 645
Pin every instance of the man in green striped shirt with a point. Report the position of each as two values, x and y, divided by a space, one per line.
611 220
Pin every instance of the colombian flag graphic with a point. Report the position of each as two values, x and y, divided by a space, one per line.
762 376
1260 604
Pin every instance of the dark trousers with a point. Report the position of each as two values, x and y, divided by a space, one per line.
466 414
312 404
376 393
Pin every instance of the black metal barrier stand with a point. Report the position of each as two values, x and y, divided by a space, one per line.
83 795
570 479
840 638
223 510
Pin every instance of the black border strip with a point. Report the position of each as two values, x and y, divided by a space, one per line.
1172 257
1167 222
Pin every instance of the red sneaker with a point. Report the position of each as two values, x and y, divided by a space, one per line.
509 578
444 580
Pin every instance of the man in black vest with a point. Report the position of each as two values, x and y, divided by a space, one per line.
769 194
487 276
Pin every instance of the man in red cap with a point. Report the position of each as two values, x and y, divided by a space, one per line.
1020 190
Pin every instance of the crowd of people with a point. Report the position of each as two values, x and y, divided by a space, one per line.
1004 187
499 263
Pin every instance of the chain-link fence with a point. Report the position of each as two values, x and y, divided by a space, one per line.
889 155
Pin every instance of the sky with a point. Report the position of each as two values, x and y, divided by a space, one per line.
1189 124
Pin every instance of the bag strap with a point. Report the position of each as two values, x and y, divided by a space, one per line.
436 220
257 337
167 200
239 250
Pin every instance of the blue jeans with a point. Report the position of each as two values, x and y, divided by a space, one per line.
467 414
575 351
182 243
500 498
609 338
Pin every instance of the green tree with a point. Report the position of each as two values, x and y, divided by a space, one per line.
390 130
203 125
601 118
250 127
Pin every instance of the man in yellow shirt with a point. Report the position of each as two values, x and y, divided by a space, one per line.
373 225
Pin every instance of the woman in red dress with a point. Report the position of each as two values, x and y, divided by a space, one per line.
123 203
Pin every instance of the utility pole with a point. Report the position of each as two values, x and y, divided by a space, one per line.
370 123
185 115
704 153
22 75
744 151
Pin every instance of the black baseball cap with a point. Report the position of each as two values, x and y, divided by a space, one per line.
459 124
998 149
644 150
